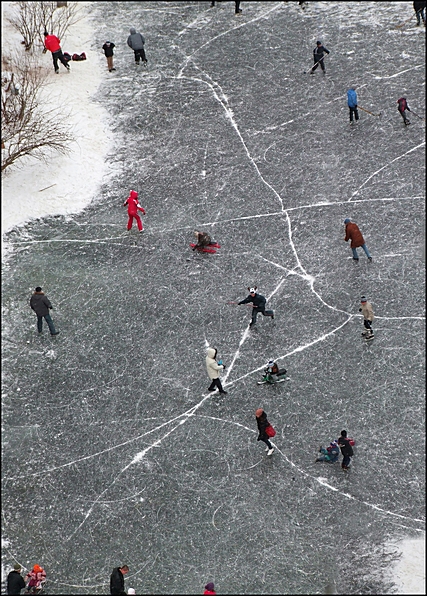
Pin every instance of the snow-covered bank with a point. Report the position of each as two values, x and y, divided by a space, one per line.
73 179
408 574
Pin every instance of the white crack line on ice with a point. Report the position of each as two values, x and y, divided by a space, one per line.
397 74
319 479
263 15
384 167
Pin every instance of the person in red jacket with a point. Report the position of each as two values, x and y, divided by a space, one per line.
133 206
209 588
403 108
353 233
51 43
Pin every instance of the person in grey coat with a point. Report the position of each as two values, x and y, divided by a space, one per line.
40 304
136 42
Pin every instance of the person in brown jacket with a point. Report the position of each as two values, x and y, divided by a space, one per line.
353 233
368 317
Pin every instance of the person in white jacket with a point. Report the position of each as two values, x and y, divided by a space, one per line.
213 367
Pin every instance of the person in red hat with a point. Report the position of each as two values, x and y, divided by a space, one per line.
37 577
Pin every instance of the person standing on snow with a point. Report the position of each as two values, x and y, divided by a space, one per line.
352 104
262 423
133 207
136 42
318 53
353 233
368 317
213 367
108 51
258 305
52 43
403 107
41 305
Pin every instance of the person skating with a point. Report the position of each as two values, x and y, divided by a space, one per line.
133 207
368 317
258 305
403 108
52 43
353 233
40 304
330 454
346 450
137 42
108 51
117 580
419 8
352 104
237 9
262 423
15 581
213 367
318 55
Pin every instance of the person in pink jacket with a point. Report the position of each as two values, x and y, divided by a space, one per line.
133 206
52 43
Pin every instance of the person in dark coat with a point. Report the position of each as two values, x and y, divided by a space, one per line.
318 54
419 8
258 304
137 42
330 454
41 304
262 422
117 580
403 108
353 233
108 51
15 581
346 450
202 239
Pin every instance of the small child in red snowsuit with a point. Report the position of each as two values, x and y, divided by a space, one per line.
133 206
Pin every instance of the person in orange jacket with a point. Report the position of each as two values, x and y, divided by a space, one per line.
133 207
52 43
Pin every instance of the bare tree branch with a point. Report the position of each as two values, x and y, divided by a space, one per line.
27 126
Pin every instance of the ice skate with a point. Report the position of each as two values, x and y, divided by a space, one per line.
270 451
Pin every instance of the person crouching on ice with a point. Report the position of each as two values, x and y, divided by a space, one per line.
202 239
133 207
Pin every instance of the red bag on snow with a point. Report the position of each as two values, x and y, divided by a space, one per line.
270 432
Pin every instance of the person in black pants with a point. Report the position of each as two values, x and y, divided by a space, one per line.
318 53
262 422
237 8
213 367
346 450
117 580
258 303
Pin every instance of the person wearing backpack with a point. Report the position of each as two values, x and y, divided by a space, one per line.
403 108
346 450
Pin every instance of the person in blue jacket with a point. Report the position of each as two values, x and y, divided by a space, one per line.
352 104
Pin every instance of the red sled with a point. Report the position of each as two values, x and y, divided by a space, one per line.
209 248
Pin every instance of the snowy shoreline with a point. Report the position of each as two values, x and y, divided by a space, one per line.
66 184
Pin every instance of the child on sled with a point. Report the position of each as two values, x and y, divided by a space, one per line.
330 454
202 240
272 373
